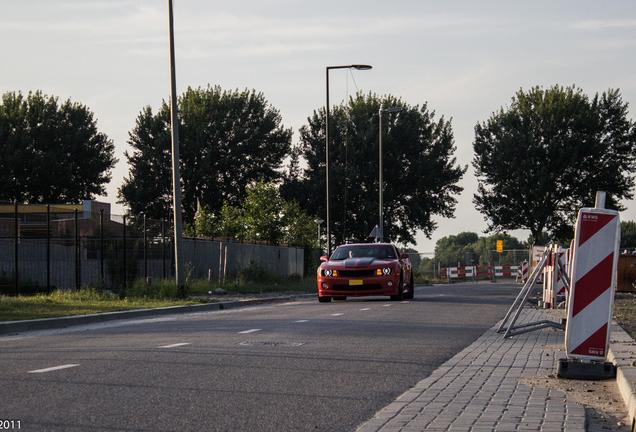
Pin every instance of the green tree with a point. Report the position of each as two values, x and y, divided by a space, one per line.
51 152
466 246
228 140
450 250
420 171
263 216
231 222
206 224
541 159
263 213
628 234
300 228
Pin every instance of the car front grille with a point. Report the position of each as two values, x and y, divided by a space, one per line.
366 287
357 273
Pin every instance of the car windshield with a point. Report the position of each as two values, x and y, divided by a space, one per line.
364 251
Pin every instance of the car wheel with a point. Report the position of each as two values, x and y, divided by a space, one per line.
324 299
400 294
411 292
339 297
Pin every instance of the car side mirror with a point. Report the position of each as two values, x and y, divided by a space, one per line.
324 258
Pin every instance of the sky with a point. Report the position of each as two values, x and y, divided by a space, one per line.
466 59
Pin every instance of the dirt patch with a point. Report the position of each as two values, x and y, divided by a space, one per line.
603 404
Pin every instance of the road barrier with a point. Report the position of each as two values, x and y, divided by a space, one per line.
479 272
591 300
560 286
506 271
522 273
554 277
470 272
510 319
451 273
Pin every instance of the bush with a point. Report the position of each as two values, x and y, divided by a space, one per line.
161 289
256 273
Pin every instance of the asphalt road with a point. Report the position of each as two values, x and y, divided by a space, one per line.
299 366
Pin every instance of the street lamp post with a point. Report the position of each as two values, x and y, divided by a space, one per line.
176 175
327 69
381 111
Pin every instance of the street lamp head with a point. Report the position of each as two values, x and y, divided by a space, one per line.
361 67
392 110
318 221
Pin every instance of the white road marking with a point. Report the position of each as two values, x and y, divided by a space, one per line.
249 331
13 338
337 314
365 309
175 345
301 321
387 305
405 301
54 368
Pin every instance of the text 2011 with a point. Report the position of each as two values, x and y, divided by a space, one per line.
10 424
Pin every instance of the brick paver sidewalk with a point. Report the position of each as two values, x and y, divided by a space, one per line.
479 389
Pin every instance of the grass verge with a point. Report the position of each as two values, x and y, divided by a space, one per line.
260 286
140 294
625 311
82 302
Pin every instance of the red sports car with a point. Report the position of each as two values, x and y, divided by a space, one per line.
368 269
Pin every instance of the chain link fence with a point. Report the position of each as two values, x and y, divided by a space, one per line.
47 247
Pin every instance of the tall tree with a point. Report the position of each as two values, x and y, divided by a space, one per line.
51 152
228 139
420 171
546 155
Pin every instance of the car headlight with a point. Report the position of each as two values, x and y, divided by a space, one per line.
386 271
326 272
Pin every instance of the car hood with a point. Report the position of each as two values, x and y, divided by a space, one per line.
359 262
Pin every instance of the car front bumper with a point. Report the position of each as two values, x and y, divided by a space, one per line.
347 286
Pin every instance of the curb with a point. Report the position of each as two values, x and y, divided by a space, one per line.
622 353
9 327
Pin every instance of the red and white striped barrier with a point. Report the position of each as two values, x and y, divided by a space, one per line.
560 288
506 271
591 297
461 272
549 298
452 273
554 288
523 271
470 271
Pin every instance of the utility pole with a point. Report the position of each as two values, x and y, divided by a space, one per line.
176 174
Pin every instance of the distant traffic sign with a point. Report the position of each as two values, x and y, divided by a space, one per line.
500 246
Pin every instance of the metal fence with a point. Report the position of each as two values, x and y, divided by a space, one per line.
48 247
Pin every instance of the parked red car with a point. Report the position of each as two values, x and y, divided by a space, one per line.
367 269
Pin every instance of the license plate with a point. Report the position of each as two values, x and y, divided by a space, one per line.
355 281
